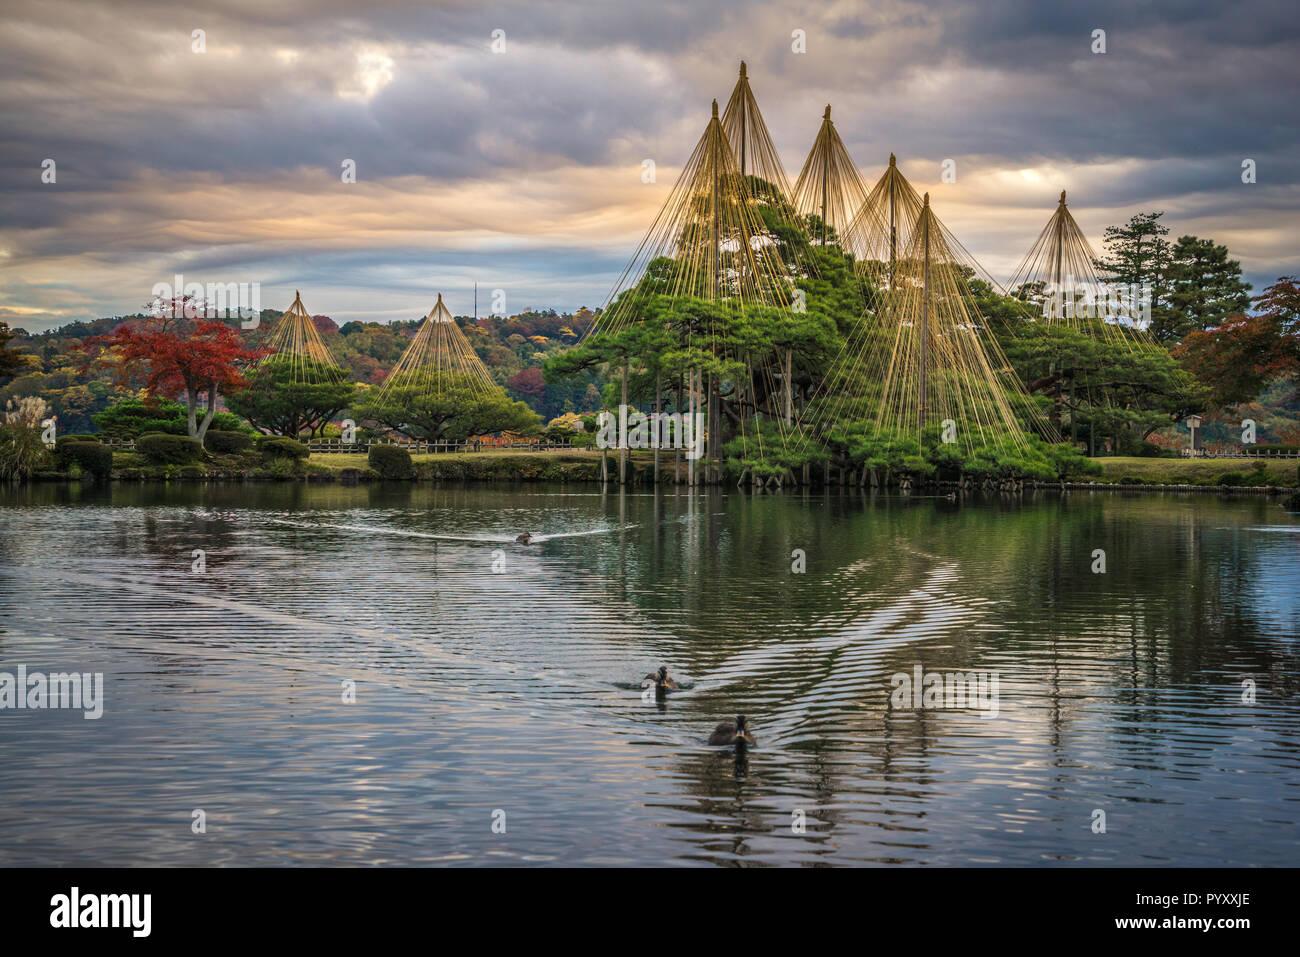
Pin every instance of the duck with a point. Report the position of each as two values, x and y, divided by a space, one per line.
525 539
663 684
733 732
951 496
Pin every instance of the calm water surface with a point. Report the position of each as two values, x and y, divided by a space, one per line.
515 691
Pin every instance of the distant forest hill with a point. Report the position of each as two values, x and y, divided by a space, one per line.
513 348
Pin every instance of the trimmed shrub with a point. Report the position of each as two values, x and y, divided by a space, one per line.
64 440
162 448
92 457
131 418
281 448
226 443
390 461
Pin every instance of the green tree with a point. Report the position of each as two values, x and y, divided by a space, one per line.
460 410
11 360
1091 387
1137 254
1205 288
286 395
132 418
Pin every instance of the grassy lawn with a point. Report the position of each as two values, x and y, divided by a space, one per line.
1196 471
358 460
1282 472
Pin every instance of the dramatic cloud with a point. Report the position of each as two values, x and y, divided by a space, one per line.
521 170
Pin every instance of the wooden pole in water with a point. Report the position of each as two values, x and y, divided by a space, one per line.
710 473
658 431
677 457
622 444
697 387
695 439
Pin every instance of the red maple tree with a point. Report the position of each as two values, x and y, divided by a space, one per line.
177 358
1240 357
528 382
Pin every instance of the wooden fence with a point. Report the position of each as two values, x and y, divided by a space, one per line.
338 446
1260 453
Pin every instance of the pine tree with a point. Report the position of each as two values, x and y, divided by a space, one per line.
1137 254
1205 286
11 360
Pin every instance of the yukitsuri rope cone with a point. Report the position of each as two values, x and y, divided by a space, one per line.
750 139
761 168
927 358
1058 279
882 229
712 230
829 188
295 340
712 243
438 357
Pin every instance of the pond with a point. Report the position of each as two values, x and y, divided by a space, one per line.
366 675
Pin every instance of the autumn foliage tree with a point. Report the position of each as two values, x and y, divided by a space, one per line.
1241 356
528 383
195 361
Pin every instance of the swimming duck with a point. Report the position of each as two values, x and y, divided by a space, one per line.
663 684
951 496
525 539
733 732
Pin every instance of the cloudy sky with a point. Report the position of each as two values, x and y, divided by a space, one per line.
521 169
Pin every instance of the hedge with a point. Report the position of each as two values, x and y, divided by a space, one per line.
390 461
226 443
281 448
162 448
93 457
